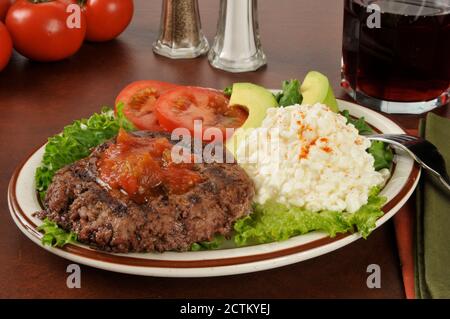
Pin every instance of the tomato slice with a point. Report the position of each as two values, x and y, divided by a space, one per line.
139 99
181 106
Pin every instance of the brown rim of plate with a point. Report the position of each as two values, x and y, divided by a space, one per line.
86 252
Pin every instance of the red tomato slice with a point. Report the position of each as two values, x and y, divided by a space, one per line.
139 100
180 107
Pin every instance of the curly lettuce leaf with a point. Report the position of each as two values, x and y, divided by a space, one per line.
208 245
276 222
380 151
365 218
382 154
76 142
228 90
290 93
360 123
55 236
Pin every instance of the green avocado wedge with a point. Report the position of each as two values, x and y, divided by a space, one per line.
256 100
316 88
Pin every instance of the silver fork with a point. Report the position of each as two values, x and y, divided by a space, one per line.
422 151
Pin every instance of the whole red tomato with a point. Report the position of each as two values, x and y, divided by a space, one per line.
4 6
45 31
106 19
5 46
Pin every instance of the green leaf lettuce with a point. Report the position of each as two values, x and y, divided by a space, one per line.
55 236
380 151
276 222
360 123
382 154
76 142
290 93
208 245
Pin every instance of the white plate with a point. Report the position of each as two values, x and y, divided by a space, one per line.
23 202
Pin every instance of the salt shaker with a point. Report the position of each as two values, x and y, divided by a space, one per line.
180 35
237 46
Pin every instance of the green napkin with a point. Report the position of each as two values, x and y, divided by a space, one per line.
432 254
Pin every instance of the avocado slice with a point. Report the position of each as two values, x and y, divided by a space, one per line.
256 100
316 88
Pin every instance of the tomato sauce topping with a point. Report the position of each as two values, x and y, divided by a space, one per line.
141 165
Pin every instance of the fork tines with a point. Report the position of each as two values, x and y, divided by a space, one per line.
403 138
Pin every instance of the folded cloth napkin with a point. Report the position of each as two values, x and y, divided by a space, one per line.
432 242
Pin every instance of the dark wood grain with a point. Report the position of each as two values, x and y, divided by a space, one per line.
37 100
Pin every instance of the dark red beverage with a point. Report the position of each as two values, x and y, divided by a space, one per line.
406 58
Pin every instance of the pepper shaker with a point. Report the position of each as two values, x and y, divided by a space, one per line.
180 35
237 46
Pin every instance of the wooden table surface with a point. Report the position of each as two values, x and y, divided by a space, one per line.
37 100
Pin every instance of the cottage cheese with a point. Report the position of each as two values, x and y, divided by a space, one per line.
307 156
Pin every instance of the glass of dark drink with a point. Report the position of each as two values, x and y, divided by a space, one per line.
396 54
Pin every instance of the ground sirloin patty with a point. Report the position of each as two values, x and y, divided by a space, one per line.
111 221
307 156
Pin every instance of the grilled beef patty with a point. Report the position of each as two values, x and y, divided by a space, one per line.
109 220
